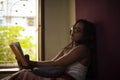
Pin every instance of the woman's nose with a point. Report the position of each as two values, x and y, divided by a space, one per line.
72 33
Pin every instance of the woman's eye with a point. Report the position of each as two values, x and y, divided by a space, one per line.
77 30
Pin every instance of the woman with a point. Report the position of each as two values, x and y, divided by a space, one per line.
75 57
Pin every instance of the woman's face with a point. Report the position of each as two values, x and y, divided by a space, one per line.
77 32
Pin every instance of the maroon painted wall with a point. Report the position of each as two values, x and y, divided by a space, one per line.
106 14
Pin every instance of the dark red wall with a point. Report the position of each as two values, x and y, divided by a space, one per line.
106 15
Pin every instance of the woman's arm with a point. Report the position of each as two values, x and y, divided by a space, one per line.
49 63
75 54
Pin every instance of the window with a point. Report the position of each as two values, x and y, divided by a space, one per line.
18 22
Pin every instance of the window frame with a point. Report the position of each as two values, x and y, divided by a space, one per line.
41 38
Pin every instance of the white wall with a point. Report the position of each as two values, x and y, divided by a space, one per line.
59 17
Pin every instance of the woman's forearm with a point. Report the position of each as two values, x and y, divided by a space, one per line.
42 63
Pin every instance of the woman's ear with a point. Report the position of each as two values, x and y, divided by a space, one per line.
85 38
89 39
27 57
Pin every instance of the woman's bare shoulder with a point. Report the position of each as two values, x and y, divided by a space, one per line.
82 47
82 50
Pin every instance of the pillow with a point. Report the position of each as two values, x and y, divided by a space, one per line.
49 71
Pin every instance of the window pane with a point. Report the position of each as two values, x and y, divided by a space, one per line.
18 22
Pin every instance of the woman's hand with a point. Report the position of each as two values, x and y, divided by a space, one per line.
20 64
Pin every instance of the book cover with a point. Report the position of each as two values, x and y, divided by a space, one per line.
17 50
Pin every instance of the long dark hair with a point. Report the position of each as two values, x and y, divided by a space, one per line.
89 39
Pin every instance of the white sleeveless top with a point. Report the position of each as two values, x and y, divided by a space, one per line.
77 71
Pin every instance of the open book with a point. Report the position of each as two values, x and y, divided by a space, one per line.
17 50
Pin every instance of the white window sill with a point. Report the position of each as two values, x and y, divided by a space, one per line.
9 70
